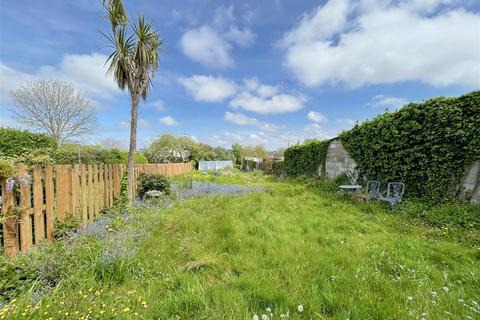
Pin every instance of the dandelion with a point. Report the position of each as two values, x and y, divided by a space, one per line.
255 317
300 308
126 309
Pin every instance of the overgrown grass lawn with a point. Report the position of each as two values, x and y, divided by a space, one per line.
231 257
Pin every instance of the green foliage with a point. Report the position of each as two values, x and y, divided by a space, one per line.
306 159
148 182
92 154
237 153
62 228
428 145
170 148
7 168
19 143
272 167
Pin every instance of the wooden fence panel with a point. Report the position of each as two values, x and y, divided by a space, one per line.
63 190
49 201
38 220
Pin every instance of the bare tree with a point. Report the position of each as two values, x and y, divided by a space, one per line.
53 107
111 143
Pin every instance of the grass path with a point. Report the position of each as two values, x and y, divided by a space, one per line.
230 257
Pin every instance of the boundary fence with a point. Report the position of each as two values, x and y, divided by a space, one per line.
28 213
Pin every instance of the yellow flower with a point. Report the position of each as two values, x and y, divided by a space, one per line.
24 314
90 290
102 311
61 302
126 309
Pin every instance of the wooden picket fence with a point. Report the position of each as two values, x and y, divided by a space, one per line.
57 192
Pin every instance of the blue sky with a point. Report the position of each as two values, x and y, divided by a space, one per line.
268 72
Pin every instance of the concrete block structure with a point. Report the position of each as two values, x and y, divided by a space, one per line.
338 160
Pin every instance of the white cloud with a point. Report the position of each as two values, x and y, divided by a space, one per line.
270 141
208 88
316 117
86 72
316 131
384 101
243 120
206 46
211 45
375 42
266 99
168 121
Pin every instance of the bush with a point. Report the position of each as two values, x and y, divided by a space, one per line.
148 182
306 159
15 143
428 146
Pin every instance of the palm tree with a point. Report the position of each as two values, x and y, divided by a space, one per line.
133 64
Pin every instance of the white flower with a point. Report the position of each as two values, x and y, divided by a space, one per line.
409 298
255 317
445 289
434 294
300 308
333 278
264 317
269 310
434 302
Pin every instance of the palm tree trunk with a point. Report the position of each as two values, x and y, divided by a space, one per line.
133 147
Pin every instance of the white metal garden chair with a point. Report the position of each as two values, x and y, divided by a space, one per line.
373 190
395 192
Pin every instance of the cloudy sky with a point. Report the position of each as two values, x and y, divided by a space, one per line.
269 72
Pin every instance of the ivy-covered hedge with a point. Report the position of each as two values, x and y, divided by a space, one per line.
428 145
305 159
18 143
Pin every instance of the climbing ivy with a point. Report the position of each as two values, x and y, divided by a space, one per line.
428 145
306 159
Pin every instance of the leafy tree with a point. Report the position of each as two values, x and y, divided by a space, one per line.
133 64
53 107
237 152
168 148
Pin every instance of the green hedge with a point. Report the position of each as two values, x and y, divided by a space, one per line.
17 143
90 154
305 159
428 145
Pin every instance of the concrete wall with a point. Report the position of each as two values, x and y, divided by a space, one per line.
471 182
338 160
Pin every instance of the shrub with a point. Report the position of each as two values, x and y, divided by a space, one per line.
428 146
7 168
306 159
16 143
63 228
148 182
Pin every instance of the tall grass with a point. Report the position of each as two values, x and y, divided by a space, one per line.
293 249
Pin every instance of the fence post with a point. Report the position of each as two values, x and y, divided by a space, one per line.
10 245
25 221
